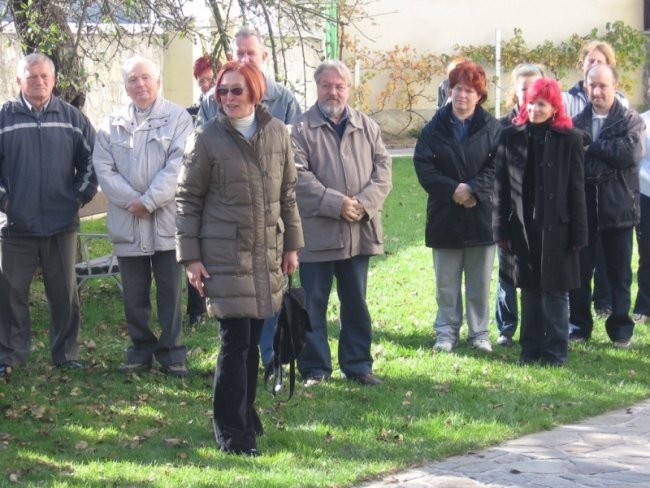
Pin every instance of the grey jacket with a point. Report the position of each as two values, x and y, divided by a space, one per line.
358 166
142 161
278 100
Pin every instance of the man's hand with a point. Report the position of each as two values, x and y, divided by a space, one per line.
136 207
352 210
195 274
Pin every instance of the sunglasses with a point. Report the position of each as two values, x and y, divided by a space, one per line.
236 91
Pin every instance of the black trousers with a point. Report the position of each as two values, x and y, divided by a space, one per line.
235 420
617 247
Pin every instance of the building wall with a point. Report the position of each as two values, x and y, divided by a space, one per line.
437 25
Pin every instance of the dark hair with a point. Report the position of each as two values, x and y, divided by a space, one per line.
549 90
471 74
252 75
202 64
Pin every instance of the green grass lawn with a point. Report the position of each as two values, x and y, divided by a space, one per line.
99 428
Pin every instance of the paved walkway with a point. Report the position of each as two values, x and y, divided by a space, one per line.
612 450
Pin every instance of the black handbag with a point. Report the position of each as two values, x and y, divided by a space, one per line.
288 339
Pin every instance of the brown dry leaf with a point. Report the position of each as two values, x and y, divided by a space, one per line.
383 436
408 394
329 437
442 387
172 441
399 437
5 436
181 455
91 346
4 445
135 442
406 403
76 391
11 414
149 433
37 411
81 445
14 477
632 373
308 394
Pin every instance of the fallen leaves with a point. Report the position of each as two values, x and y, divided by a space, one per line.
390 436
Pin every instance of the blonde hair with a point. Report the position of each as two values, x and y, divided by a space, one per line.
604 47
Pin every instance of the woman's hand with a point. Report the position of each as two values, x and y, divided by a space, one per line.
289 262
195 274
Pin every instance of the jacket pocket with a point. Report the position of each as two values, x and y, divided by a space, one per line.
166 221
277 237
322 234
121 225
163 142
219 244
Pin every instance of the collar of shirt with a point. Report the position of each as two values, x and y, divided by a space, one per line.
30 107
340 126
461 127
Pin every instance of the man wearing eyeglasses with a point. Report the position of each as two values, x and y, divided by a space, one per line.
344 176
279 101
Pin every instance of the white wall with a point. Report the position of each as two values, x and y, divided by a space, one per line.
437 25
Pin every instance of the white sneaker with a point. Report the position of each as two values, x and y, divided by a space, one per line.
482 345
443 346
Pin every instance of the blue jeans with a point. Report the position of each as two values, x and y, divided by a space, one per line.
266 339
506 310
356 327
544 331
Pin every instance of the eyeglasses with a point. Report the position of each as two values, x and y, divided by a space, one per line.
222 91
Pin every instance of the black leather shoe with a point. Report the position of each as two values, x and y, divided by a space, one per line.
366 379
70 364
252 452
179 370
5 370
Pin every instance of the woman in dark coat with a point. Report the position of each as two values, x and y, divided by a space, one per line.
454 162
540 218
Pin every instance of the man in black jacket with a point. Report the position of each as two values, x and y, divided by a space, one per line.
46 173
612 192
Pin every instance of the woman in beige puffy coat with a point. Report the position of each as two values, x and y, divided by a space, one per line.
238 233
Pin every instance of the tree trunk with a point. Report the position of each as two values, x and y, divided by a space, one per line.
42 27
